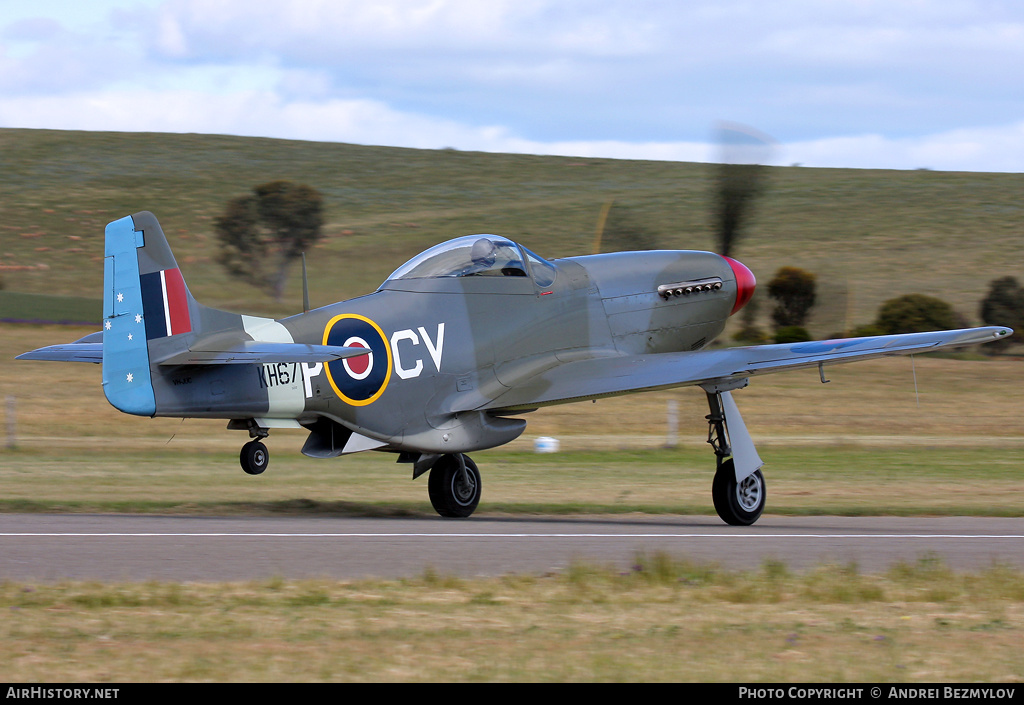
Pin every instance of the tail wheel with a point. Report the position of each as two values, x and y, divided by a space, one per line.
452 492
254 458
738 503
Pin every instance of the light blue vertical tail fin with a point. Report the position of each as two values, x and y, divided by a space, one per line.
144 299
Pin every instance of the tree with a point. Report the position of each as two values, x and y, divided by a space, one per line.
915 313
1004 306
262 233
793 291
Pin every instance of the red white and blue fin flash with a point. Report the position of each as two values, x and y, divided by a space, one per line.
165 301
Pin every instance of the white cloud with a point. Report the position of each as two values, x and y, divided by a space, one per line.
170 37
250 113
263 114
998 148
885 83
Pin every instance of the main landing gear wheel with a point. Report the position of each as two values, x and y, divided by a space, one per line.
738 503
454 493
254 457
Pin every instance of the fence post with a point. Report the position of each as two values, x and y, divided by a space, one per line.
12 440
672 421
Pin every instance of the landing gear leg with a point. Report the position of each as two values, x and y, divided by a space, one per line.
739 496
454 486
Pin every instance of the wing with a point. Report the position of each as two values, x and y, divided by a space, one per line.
611 376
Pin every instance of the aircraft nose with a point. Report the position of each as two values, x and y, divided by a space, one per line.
745 283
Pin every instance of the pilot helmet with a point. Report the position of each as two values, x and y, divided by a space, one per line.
483 252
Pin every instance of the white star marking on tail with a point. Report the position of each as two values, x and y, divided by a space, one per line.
129 336
129 376
106 324
120 297
138 318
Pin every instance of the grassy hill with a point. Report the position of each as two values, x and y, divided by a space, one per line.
869 235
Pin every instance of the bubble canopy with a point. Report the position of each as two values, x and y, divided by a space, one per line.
477 255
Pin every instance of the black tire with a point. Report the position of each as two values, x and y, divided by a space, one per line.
450 496
738 504
254 458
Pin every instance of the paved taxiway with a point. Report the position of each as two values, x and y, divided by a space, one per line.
38 547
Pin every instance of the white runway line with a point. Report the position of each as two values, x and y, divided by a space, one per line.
16 534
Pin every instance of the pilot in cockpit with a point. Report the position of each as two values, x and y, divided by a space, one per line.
484 254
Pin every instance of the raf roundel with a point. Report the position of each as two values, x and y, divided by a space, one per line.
362 379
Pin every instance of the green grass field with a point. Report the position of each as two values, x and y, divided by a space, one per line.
107 476
662 621
47 308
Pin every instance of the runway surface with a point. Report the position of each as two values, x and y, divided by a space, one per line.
37 547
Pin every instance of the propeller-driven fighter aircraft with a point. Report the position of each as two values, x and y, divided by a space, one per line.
449 352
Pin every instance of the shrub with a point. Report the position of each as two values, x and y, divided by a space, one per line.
915 313
1004 306
793 291
791 334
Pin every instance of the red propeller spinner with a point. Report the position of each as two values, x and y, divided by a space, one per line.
745 283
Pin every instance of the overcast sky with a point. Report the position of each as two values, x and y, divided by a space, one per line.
849 83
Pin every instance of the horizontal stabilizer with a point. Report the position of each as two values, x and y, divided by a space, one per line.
243 353
87 349
255 352
72 352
